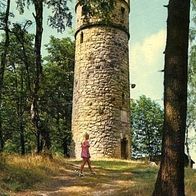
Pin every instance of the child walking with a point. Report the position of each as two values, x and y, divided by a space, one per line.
85 154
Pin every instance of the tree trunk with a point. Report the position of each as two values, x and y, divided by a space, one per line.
19 108
38 141
170 180
27 62
45 135
65 147
1 134
22 138
21 112
38 4
2 65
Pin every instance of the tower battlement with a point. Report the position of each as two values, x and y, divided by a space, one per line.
101 99
119 17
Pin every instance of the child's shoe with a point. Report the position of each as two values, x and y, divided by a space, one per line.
80 174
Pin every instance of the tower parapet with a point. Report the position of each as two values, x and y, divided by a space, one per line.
119 17
101 97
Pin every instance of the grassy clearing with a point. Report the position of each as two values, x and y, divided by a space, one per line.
18 173
36 175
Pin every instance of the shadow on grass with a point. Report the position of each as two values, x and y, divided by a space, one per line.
112 178
17 179
58 177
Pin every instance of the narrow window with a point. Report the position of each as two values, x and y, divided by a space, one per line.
84 10
76 83
81 37
123 98
123 12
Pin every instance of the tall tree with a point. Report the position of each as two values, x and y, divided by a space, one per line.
15 91
147 125
38 6
61 12
23 41
170 180
5 27
57 91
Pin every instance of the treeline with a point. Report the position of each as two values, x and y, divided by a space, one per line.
146 128
35 91
55 95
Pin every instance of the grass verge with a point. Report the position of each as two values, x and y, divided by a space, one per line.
113 177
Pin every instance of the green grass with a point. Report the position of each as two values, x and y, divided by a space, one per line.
190 181
113 177
20 173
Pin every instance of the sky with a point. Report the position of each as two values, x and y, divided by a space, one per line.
147 43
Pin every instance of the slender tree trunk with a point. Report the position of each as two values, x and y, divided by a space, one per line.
170 180
38 4
67 138
19 106
1 132
45 134
21 112
38 141
21 128
64 142
65 147
22 138
2 65
21 39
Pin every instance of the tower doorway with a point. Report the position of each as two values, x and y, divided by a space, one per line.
124 153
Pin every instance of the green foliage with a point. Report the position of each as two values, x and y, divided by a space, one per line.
147 124
55 95
3 7
61 12
193 3
59 9
101 8
15 94
57 90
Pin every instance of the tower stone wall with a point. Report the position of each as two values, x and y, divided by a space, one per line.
101 84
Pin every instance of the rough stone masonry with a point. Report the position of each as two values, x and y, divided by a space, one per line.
101 99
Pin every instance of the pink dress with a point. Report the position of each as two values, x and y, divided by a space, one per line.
85 149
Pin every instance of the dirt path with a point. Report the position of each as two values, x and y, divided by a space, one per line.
70 184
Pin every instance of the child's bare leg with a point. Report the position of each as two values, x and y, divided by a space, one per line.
82 165
89 165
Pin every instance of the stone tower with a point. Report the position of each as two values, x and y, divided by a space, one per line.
101 97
